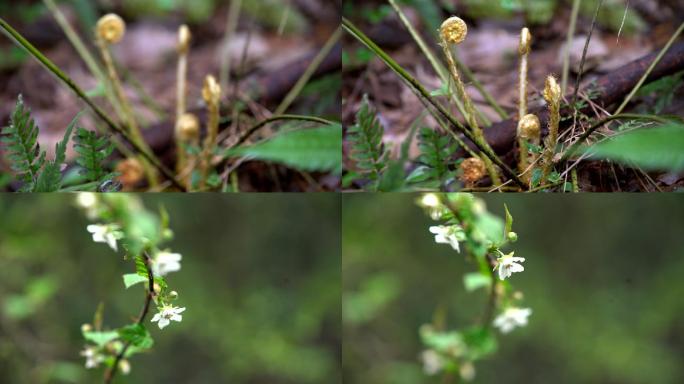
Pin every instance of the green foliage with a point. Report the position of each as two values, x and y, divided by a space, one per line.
131 279
93 151
137 335
316 149
367 149
100 338
23 150
475 280
435 151
659 148
363 305
664 89
50 178
28 161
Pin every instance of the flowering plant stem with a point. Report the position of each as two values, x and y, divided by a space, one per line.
50 66
423 94
149 294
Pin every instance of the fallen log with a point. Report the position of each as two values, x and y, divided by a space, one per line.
608 89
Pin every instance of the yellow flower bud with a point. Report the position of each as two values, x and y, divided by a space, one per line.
454 30
473 169
211 91
111 28
184 37
525 42
529 127
188 127
552 91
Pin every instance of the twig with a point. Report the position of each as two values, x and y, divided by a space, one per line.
111 372
566 52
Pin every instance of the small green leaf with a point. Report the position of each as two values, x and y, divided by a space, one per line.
137 335
475 280
480 341
660 148
317 149
131 279
509 223
100 338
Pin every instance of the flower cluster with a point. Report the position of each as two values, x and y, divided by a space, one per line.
124 225
470 229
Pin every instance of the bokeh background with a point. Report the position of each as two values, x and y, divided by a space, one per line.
603 276
260 279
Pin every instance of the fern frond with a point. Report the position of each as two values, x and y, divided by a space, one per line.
368 151
23 151
92 152
50 179
435 153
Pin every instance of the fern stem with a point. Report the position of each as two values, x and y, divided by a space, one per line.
650 68
422 93
308 73
50 66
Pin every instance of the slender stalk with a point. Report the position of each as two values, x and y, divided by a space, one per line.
50 66
149 295
231 26
470 110
308 73
126 107
85 54
212 96
422 93
568 41
650 68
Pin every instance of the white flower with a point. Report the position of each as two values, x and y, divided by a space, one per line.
432 204
93 358
432 362
165 262
168 313
105 233
512 318
446 235
86 200
508 264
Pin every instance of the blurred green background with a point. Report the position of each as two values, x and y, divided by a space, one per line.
603 276
260 279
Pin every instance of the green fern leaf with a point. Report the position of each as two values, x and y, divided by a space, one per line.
367 149
92 153
50 179
23 152
435 151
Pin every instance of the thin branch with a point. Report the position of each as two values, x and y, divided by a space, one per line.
111 372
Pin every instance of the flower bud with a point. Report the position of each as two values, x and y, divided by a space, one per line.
111 28
525 42
157 287
184 37
125 366
512 236
211 91
454 30
529 127
187 128
173 295
473 169
86 328
517 295
552 91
